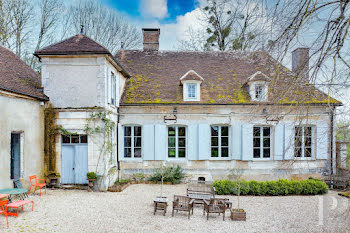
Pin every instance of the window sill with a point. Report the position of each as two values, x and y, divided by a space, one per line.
220 158
176 159
262 159
131 159
304 158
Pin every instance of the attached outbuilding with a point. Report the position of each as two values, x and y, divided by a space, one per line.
21 121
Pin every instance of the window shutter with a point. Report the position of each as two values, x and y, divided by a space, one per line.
236 141
161 139
117 90
247 141
203 141
148 142
289 135
109 88
322 140
279 141
120 141
192 142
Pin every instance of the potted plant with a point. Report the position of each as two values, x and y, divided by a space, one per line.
237 214
53 177
91 177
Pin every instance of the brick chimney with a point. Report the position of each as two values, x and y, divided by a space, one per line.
300 62
151 38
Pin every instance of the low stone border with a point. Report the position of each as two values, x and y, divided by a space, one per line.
344 194
121 187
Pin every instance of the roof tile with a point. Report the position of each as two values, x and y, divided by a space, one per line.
16 76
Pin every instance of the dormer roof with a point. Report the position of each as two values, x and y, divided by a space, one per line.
191 76
258 76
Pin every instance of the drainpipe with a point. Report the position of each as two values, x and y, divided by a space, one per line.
332 140
118 164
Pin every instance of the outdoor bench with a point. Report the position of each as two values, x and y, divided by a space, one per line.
17 205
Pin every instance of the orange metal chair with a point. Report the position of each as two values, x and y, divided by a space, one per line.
3 210
34 183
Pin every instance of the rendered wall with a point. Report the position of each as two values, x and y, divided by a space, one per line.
240 119
25 116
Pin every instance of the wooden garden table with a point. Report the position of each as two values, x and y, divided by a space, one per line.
11 192
160 203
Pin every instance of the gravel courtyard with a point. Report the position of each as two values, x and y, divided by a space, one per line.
132 211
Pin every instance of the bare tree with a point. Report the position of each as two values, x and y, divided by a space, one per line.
21 15
5 22
103 24
230 25
49 18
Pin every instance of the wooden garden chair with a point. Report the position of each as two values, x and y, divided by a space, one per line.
35 182
3 210
215 205
182 203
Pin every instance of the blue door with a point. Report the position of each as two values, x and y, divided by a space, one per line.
15 155
74 159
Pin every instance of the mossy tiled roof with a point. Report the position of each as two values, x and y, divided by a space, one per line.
17 77
155 78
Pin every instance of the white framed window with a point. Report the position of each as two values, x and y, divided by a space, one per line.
303 141
259 92
191 90
261 142
113 88
75 139
219 141
176 142
132 141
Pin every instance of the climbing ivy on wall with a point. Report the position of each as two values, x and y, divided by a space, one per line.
51 131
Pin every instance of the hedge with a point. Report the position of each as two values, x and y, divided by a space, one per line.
271 188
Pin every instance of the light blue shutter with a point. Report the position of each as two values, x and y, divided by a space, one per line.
117 77
192 142
322 132
148 142
247 141
161 139
203 141
120 141
236 141
279 141
289 134
109 89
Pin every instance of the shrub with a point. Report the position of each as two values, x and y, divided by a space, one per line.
138 177
122 181
272 188
91 176
170 174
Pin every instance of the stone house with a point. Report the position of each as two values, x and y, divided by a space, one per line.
22 120
209 112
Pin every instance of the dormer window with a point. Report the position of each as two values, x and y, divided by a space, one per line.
191 82
258 86
259 92
191 90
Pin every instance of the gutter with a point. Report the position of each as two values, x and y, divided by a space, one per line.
333 160
117 128
28 95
